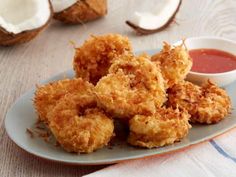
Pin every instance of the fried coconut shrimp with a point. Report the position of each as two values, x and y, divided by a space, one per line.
93 59
214 106
165 127
78 125
207 104
48 95
185 95
134 85
175 63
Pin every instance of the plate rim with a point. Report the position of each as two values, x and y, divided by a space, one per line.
107 162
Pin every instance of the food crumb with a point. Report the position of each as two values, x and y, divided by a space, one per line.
30 132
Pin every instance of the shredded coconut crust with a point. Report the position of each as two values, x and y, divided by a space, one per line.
207 104
47 96
93 59
165 127
134 85
78 126
175 63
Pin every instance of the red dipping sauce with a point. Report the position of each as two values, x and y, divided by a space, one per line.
212 61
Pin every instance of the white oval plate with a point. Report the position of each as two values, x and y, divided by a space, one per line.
22 116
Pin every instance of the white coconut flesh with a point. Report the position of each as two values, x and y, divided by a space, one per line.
156 17
17 16
60 5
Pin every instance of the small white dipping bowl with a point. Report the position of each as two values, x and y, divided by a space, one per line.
221 79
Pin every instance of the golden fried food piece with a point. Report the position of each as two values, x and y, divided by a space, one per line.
93 59
185 95
214 106
78 125
165 127
207 104
134 85
46 96
175 63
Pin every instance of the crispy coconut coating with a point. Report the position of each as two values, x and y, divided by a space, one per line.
214 106
134 85
165 127
93 59
47 96
175 63
185 95
207 104
78 125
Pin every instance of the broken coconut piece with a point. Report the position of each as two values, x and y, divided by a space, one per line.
156 20
78 11
60 5
22 20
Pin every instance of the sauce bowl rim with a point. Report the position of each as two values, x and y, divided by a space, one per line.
209 38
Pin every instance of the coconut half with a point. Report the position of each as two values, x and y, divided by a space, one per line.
22 20
78 11
156 19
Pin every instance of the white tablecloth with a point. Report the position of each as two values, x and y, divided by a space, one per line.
214 158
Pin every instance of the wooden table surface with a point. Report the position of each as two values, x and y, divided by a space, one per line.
23 66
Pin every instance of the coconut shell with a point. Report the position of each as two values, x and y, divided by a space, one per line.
9 39
142 31
82 11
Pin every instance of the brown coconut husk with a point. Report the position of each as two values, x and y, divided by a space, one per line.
9 39
82 11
